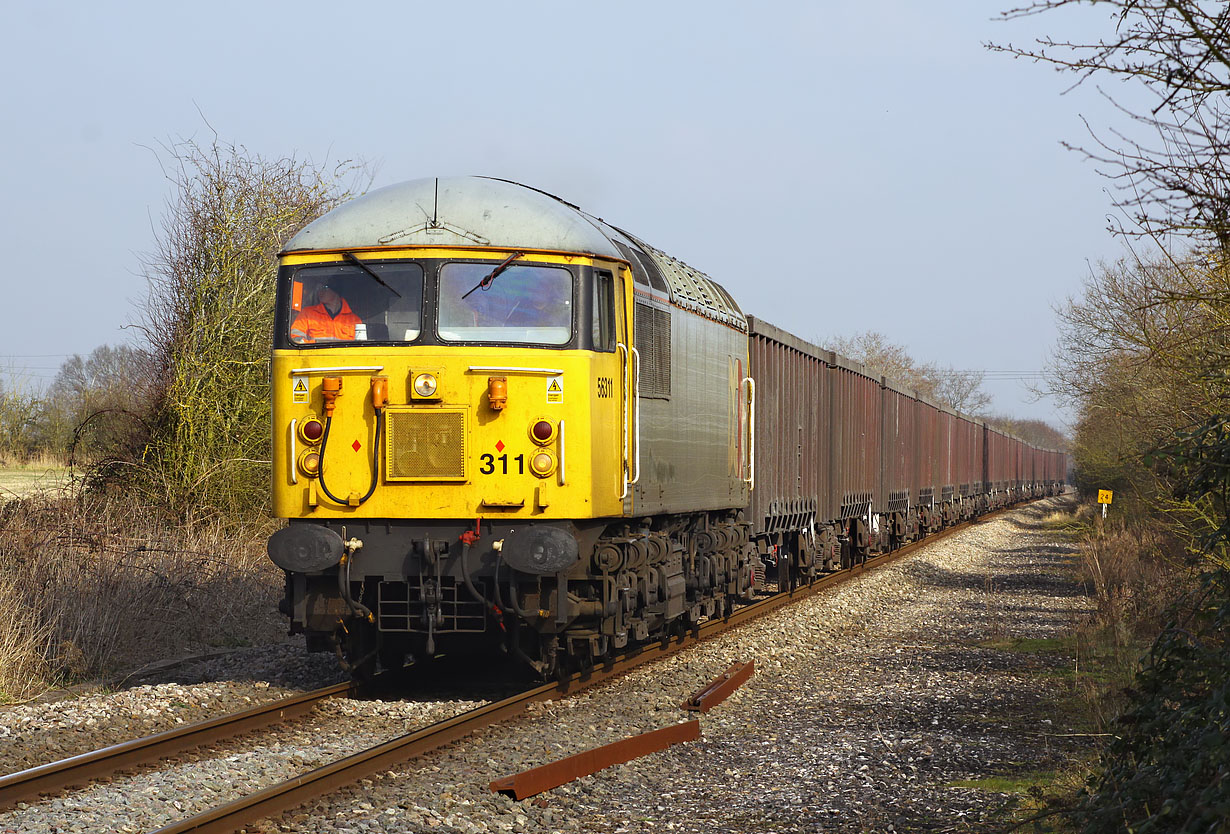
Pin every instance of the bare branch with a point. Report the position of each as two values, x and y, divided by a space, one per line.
1178 52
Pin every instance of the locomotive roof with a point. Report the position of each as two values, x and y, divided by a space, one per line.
456 211
487 212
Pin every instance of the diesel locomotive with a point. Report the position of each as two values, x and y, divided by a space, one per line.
499 420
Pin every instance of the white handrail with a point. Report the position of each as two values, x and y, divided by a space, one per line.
623 353
561 453
294 476
636 394
337 369
751 432
514 369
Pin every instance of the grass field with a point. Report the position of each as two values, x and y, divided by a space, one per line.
19 480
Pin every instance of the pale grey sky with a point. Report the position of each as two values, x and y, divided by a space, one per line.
865 167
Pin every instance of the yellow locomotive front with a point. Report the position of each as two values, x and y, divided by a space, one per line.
450 418
448 384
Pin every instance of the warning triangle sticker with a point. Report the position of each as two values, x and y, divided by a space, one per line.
300 386
554 388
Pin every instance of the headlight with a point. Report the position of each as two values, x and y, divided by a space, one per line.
425 385
542 464
309 463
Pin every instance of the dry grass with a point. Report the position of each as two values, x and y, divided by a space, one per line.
1071 524
42 460
24 646
1134 575
92 585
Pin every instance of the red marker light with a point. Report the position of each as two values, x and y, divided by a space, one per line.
313 430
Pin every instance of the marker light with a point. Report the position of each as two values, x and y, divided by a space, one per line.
542 431
497 392
309 463
425 385
542 464
311 430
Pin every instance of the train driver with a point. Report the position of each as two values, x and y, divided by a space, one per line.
329 319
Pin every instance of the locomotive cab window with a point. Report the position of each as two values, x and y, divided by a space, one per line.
604 312
521 304
347 303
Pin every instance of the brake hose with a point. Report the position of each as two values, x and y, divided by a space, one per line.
512 587
324 443
469 581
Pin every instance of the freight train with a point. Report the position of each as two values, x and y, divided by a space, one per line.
499 420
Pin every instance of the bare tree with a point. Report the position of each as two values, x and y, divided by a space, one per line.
881 356
209 318
1143 354
958 390
19 419
98 404
1037 432
1170 169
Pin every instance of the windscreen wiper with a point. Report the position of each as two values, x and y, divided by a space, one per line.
486 282
352 259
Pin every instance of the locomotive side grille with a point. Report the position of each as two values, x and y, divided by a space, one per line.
653 343
425 445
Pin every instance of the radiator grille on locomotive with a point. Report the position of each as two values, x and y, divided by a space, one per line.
425 445
653 343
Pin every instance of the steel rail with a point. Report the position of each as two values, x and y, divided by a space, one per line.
79 770
233 816
295 791
286 795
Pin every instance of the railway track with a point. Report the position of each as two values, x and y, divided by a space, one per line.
79 770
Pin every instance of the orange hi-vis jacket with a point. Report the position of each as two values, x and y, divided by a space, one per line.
315 322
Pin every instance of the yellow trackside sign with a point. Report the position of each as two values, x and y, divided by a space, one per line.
1105 496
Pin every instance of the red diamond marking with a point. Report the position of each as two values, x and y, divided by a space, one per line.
499 445
355 445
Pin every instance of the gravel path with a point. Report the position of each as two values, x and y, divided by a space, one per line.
867 703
